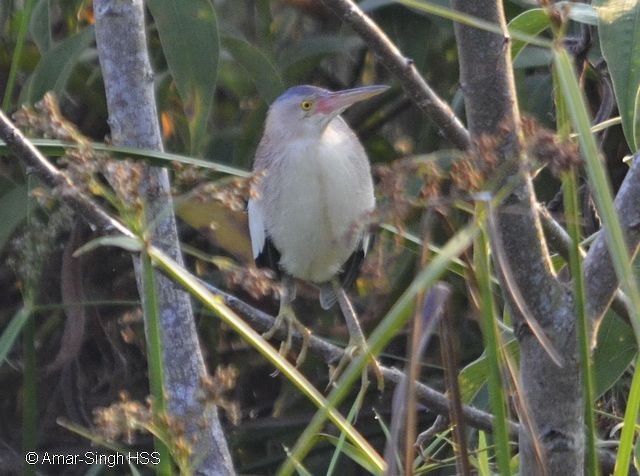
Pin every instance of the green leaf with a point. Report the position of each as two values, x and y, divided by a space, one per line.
532 22
354 453
57 148
120 241
56 65
474 376
581 12
189 36
619 31
260 69
12 331
636 118
40 26
13 210
214 302
483 455
615 350
316 46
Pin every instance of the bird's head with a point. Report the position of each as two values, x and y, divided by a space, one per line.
309 109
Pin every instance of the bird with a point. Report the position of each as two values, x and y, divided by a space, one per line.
309 206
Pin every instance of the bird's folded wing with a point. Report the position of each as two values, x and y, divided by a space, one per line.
256 228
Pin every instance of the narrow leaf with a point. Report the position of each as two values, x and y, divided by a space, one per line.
619 31
40 26
352 452
125 242
12 331
532 22
189 36
13 211
260 69
56 65
57 148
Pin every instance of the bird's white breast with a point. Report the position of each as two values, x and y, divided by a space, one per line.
317 204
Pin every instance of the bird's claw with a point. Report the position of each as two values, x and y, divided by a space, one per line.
293 323
353 349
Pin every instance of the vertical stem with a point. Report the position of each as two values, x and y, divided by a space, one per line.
133 119
489 332
17 55
572 218
572 215
29 391
29 372
449 357
154 356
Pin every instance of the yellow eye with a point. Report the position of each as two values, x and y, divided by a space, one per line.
306 105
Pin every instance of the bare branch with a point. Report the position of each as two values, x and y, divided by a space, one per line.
559 240
600 276
133 119
57 180
404 70
437 401
553 394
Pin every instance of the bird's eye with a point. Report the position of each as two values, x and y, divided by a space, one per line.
306 105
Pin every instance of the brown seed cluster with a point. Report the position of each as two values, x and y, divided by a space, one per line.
216 389
544 146
257 282
46 120
123 419
403 185
126 418
232 193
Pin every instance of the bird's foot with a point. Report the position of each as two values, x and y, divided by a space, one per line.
354 348
293 324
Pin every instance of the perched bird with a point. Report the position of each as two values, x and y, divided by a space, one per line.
308 211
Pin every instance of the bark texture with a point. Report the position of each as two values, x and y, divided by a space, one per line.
122 48
600 276
552 395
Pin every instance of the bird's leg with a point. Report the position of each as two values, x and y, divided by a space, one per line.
357 342
287 314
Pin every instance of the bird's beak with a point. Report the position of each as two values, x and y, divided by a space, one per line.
334 103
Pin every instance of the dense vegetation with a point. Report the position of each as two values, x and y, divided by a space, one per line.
448 266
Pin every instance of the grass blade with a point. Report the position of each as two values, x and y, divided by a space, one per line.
151 311
489 331
56 148
12 331
392 323
216 304
17 55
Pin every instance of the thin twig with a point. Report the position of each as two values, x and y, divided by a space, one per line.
57 180
404 70
437 401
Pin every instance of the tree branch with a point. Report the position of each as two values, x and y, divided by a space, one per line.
600 276
404 70
552 394
559 240
133 119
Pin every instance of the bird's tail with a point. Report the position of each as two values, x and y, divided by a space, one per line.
327 297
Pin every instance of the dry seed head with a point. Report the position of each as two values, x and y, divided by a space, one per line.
544 146
215 390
